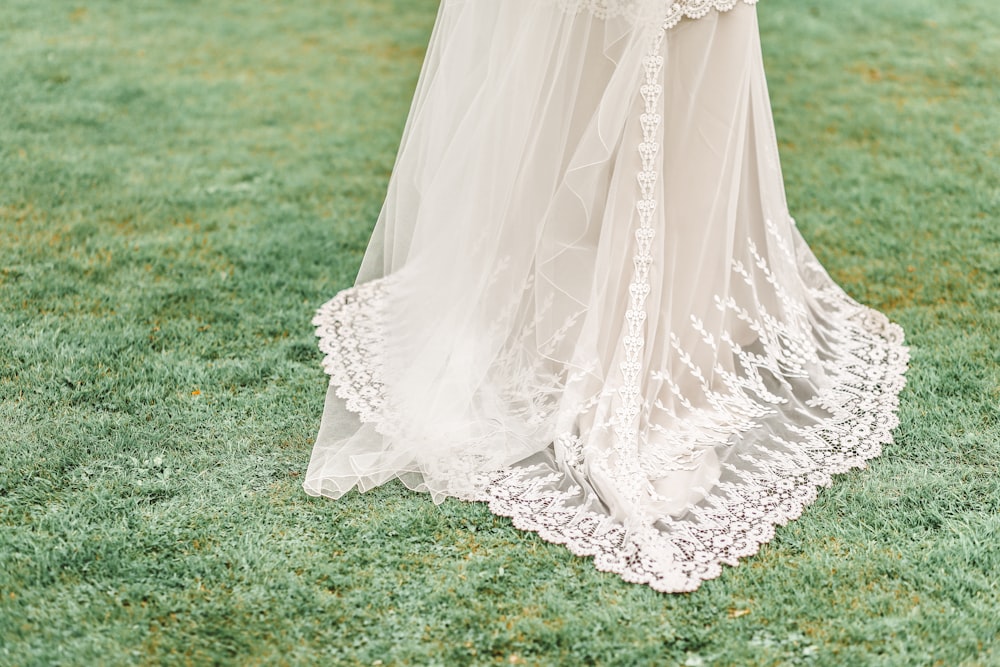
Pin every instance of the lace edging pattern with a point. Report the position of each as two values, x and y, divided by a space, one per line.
732 523
350 337
667 13
738 519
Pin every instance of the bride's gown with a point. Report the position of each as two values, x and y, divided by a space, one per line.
586 303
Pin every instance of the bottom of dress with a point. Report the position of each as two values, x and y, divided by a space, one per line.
586 304
758 487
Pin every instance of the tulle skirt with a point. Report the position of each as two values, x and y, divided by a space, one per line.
585 301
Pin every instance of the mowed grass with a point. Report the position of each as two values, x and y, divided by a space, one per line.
182 184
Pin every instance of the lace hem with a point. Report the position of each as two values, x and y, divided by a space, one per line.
678 554
774 481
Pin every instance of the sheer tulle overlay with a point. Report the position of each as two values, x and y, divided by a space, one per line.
586 303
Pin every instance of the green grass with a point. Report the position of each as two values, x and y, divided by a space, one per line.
182 183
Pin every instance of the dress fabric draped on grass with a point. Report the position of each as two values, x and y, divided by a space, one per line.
585 301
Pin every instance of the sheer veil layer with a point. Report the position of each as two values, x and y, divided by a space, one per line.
586 303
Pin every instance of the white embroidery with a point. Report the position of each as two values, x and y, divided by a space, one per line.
678 10
626 468
349 328
667 13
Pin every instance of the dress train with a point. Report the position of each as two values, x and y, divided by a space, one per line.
586 304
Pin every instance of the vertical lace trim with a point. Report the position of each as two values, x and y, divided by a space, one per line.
628 414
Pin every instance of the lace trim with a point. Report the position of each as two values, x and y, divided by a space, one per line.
772 484
667 13
628 470
677 554
349 328
696 9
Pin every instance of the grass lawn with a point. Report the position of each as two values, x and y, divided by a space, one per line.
182 183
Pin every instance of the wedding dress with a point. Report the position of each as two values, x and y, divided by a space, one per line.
585 302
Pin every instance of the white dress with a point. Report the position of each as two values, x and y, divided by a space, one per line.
585 302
